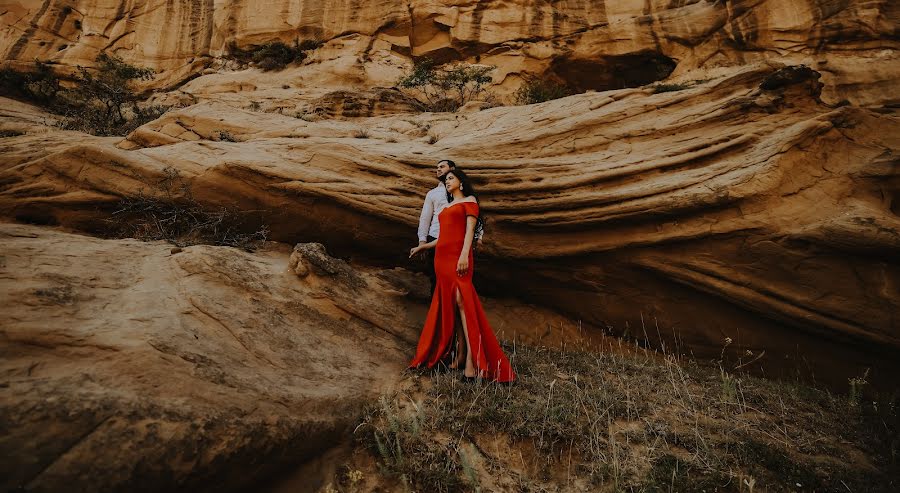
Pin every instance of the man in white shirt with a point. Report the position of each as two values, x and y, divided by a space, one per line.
429 227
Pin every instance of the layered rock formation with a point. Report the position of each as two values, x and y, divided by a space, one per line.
127 367
739 208
746 210
590 45
130 366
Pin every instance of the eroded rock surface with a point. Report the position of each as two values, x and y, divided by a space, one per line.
589 45
132 366
126 367
741 208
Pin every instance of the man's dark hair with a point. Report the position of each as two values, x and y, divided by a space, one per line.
449 163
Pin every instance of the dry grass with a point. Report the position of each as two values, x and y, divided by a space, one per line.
578 421
169 212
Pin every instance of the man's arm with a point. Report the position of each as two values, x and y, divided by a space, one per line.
425 218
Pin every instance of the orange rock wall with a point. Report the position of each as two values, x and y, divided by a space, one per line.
852 43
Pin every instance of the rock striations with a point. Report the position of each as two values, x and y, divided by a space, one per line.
725 182
741 207
591 45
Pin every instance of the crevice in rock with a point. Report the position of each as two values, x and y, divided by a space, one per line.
611 72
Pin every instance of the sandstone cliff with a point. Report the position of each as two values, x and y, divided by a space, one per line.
590 45
741 208
747 211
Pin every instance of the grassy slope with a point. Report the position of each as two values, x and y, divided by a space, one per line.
613 421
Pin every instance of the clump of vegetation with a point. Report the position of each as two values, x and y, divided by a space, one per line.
361 133
41 85
99 101
274 55
225 136
620 421
407 452
537 90
857 384
658 88
171 213
446 88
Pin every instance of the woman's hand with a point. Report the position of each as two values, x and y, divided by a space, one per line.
462 266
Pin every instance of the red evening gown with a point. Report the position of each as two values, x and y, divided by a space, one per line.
437 334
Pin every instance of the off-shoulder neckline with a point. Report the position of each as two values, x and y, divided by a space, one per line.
460 202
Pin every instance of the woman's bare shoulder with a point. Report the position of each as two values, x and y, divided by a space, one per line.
469 199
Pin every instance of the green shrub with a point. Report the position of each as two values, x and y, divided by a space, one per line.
104 102
100 101
536 90
440 89
40 85
274 55
658 88
225 136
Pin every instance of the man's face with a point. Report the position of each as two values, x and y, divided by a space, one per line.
442 169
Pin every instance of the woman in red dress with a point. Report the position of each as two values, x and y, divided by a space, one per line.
454 293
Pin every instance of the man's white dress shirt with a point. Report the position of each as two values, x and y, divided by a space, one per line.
435 201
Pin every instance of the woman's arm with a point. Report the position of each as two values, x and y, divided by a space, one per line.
463 264
422 246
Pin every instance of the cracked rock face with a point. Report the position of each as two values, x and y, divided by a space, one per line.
595 45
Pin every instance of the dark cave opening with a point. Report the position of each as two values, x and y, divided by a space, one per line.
612 72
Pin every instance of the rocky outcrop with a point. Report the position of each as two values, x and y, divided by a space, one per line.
589 45
741 207
132 366
167 371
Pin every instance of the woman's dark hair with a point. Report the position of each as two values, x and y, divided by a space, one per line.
468 191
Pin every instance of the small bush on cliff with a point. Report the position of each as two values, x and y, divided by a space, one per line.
170 212
448 88
658 88
274 55
536 90
99 101
40 85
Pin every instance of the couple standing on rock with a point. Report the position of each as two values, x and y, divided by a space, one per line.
450 224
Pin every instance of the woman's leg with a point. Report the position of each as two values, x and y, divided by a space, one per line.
460 356
470 365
